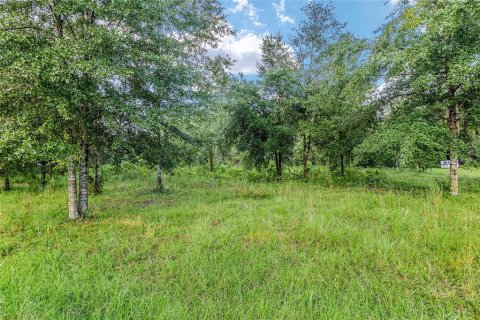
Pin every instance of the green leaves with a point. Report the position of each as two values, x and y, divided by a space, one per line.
84 70
406 141
428 53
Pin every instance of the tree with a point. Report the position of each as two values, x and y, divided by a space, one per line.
428 56
13 150
248 127
310 42
338 102
279 87
86 63
405 141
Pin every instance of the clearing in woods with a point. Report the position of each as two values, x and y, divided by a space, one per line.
216 247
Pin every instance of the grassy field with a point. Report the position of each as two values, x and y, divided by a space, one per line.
214 247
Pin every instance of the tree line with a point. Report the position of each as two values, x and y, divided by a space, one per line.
89 82
407 98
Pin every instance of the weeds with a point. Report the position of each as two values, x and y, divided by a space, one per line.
218 245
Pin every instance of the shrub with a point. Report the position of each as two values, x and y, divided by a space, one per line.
376 179
363 178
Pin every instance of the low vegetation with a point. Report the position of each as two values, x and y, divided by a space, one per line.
232 244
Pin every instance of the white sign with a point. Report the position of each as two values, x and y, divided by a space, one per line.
445 164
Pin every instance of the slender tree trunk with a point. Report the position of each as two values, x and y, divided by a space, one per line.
211 159
72 168
306 152
72 190
97 185
452 125
89 17
276 163
342 165
159 178
43 174
279 164
7 185
83 180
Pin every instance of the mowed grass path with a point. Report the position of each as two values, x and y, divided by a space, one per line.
226 249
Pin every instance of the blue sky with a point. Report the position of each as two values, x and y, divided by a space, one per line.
254 18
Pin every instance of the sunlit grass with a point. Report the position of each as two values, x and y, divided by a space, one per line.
218 248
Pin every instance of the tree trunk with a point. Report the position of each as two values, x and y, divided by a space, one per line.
7 185
83 183
342 165
89 17
97 185
279 173
306 152
72 190
276 163
72 168
159 178
452 125
43 174
211 159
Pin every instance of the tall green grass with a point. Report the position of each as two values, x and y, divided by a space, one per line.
228 246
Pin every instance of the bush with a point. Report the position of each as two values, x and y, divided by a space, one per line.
376 179
368 178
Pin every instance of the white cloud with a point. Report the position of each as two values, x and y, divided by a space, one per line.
396 2
244 48
240 5
248 9
280 10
